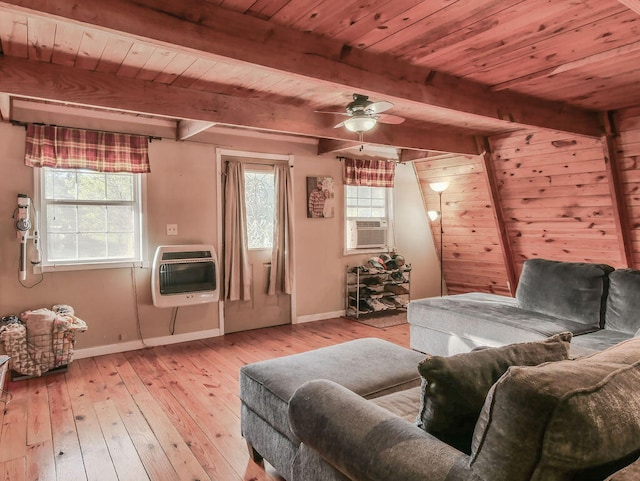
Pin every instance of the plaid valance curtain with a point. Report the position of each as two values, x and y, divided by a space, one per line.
67 148
371 173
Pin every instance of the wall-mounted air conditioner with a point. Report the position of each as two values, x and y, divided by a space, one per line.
364 234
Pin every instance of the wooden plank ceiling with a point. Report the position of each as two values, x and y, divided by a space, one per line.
453 68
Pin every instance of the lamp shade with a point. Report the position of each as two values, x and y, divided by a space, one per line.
439 186
360 123
434 215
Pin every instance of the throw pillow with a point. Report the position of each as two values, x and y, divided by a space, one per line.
454 388
574 419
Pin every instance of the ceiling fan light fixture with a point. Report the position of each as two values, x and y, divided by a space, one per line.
360 123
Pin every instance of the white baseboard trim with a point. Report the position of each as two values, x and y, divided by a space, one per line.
138 344
319 317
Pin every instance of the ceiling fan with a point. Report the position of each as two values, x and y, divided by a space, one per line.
364 114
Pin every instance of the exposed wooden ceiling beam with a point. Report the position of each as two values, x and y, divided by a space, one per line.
217 33
326 146
5 107
188 128
632 5
498 214
64 84
411 155
620 213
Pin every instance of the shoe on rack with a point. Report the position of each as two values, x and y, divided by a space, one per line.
397 289
398 276
400 302
389 302
376 305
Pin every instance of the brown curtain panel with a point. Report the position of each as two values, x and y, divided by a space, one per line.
237 274
67 148
282 270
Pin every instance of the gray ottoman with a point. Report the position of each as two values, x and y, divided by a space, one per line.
369 367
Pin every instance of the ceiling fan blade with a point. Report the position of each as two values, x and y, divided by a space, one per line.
329 112
390 119
337 126
379 107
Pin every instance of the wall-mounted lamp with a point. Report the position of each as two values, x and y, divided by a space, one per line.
434 215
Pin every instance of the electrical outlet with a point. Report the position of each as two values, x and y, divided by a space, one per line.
172 229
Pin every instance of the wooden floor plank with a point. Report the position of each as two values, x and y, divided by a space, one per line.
13 470
157 414
95 454
155 461
66 447
13 440
125 458
39 426
41 464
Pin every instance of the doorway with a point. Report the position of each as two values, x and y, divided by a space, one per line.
259 198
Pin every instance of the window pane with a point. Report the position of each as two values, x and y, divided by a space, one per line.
62 218
121 245
378 192
120 218
91 186
260 206
60 184
62 247
352 212
119 187
92 246
92 218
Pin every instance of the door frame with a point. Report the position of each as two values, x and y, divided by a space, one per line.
220 152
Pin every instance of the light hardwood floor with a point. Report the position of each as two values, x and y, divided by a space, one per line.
162 413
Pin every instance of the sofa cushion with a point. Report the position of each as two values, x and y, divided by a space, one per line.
569 290
623 301
575 416
458 323
454 388
596 341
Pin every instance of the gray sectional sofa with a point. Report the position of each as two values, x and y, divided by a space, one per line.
528 410
353 412
599 305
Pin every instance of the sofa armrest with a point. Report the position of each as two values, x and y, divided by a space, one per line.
367 442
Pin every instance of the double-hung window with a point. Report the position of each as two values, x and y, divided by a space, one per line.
369 218
368 205
89 218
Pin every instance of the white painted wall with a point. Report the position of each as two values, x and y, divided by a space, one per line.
181 189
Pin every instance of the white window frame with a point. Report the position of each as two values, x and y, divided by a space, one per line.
389 217
140 258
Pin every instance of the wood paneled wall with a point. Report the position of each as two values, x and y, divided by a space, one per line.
537 194
472 259
628 154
